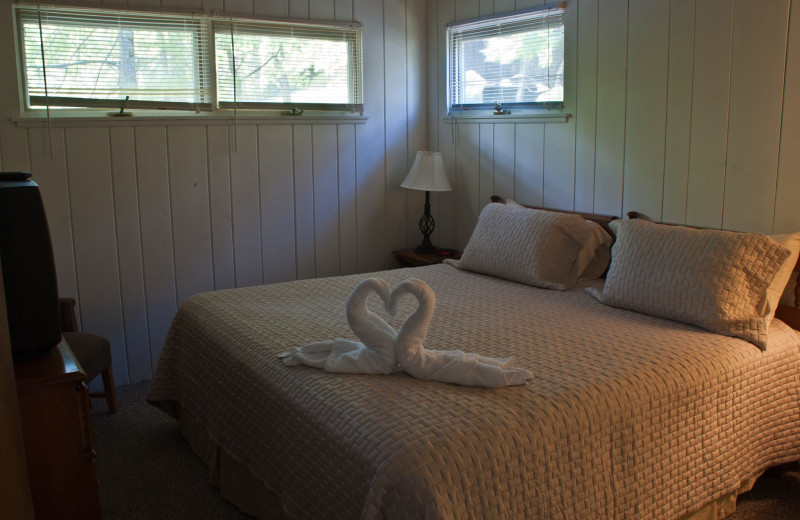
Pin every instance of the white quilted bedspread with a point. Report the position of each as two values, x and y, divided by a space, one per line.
627 415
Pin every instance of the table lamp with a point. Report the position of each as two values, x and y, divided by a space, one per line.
427 173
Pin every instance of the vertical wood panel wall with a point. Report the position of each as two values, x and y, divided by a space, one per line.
686 111
143 215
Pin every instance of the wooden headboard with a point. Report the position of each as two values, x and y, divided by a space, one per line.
787 314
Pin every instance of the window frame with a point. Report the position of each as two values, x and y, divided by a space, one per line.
211 106
522 109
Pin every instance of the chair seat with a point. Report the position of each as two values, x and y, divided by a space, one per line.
93 352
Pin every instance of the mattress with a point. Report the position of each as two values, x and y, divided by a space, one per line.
627 415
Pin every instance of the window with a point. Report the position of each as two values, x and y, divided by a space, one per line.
513 60
93 58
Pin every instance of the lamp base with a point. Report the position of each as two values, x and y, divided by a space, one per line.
426 248
426 226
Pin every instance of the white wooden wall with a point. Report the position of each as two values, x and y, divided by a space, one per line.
145 214
685 110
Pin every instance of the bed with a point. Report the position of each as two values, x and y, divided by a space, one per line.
628 415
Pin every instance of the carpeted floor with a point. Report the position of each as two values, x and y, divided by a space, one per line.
147 471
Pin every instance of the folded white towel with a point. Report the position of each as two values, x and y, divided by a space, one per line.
448 366
375 354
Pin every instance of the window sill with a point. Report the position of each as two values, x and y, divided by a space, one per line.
184 120
511 118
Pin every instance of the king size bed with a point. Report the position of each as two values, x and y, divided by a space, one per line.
627 415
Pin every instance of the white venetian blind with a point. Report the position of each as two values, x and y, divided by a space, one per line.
514 59
97 58
288 65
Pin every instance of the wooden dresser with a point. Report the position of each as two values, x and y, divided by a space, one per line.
57 432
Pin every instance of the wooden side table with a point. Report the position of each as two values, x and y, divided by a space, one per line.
57 433
408 258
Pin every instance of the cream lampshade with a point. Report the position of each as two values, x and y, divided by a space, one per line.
427 173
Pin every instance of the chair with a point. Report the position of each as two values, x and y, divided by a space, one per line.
93 352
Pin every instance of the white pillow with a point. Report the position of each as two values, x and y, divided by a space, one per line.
714 279
595 254
530 246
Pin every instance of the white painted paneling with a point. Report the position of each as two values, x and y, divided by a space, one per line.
468 203
92 201
444 204
129 252
787 217
343 10
304 201
645 123
486 163
504 143
51 176
278 9
417 114
191 218
219 190
586 106
246 206
679 111
277 203
326 203
156 232
757 69
529 167
710 89
348 220
298 9
14 149
239 6
321 9
612 27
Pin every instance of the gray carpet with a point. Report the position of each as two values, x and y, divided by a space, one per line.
147 471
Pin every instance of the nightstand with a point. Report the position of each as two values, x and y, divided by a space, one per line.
408 258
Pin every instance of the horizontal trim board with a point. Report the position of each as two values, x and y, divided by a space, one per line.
72 122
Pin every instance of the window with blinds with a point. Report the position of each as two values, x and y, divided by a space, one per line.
513 60
102 58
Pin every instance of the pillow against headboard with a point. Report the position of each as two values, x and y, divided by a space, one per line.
595 254
709 278
530 246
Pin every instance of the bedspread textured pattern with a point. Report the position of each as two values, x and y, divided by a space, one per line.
627 416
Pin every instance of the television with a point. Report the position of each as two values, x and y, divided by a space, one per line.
29 273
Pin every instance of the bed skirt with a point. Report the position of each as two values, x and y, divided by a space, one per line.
240 486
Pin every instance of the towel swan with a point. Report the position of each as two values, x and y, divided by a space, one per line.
449 366
374 354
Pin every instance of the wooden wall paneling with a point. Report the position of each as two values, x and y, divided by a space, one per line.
645 114
371 144
418 111
51 176
191 215
468 201
14 148
304 201
710 98
92 201
787 218
559 138
219 193
679 111
239 6
277 203
396 121
504 163
348 220
445 203
129 252
529 164
486 162
326 200
757 72
611 73
246 206
321 10
586 105
343 10
298 9
559 165
156 233
277 8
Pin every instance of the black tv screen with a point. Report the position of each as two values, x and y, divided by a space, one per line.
29 274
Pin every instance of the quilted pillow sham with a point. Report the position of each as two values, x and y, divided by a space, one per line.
709 278
530 246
